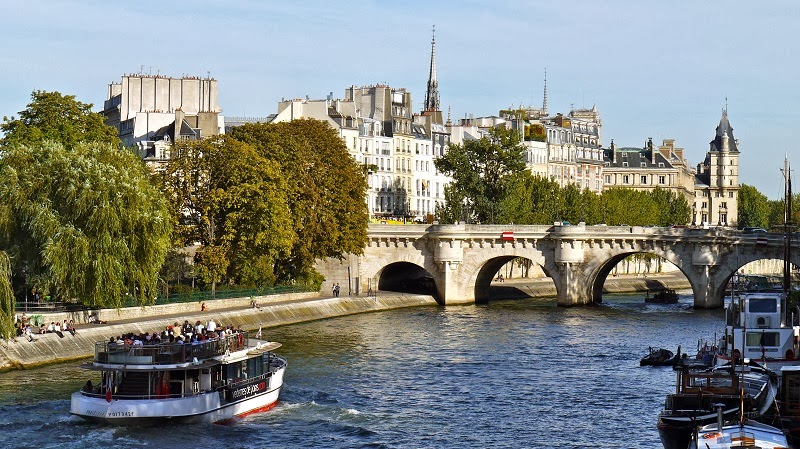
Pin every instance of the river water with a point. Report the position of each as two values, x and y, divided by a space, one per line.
521 373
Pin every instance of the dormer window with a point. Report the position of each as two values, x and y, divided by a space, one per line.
624 164
643 164
660 165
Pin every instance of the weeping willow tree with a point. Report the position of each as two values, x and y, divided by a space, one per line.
83 224
6 298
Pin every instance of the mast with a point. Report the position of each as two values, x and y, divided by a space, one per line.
787 240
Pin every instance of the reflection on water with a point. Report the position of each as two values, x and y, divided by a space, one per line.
520 373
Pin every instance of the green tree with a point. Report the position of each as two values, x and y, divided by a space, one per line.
51 116
673 208
630 207
754 208
482 169
6 298
84 223
325 190
232 202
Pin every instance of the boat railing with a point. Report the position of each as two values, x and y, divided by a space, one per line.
710 383
168 353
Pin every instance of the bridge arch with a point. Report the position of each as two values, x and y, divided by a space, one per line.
406 277
598 272
482 267
725 271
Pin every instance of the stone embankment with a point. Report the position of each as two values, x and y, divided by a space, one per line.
272 311
544 287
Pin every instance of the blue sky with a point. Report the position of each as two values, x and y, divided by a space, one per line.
660 69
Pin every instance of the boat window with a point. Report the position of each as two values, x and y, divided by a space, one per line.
763 305
254 367
763 339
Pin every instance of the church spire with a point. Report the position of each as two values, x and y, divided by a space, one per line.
432 96
544 102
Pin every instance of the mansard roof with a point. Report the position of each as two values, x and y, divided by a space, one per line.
635 157
724 127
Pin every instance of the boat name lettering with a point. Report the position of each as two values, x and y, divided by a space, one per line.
248 390
119 414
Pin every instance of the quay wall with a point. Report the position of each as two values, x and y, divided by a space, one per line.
49 348
186 308
614 284
273 310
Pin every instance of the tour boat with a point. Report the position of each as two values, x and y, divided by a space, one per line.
215 381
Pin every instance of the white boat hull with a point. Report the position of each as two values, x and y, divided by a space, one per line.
200 408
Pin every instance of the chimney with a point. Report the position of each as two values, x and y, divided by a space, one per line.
613 151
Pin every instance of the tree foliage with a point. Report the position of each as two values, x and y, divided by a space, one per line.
231 201
754 208
51 116
482 171
84 223
324 191
6 298
537 200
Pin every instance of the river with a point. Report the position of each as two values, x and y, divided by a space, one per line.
520 373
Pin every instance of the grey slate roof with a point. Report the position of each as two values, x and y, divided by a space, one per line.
634 157
723 127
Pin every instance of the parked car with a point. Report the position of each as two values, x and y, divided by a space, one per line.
752 230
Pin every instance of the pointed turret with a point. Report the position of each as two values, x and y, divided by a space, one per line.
432 95
724 133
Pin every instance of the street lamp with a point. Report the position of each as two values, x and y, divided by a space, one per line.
464 210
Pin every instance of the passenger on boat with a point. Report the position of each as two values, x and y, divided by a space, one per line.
88 387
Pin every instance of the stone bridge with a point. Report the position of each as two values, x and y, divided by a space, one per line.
458 262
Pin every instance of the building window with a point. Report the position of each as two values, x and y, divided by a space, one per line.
705 205
660 165
644 179
643 164
608 179
730 194
723 205
662 179
625 179
625 164
723 218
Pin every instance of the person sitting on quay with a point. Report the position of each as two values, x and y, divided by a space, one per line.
94 319
57 330
71 327
28 333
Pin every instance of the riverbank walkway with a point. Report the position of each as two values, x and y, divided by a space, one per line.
271 311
